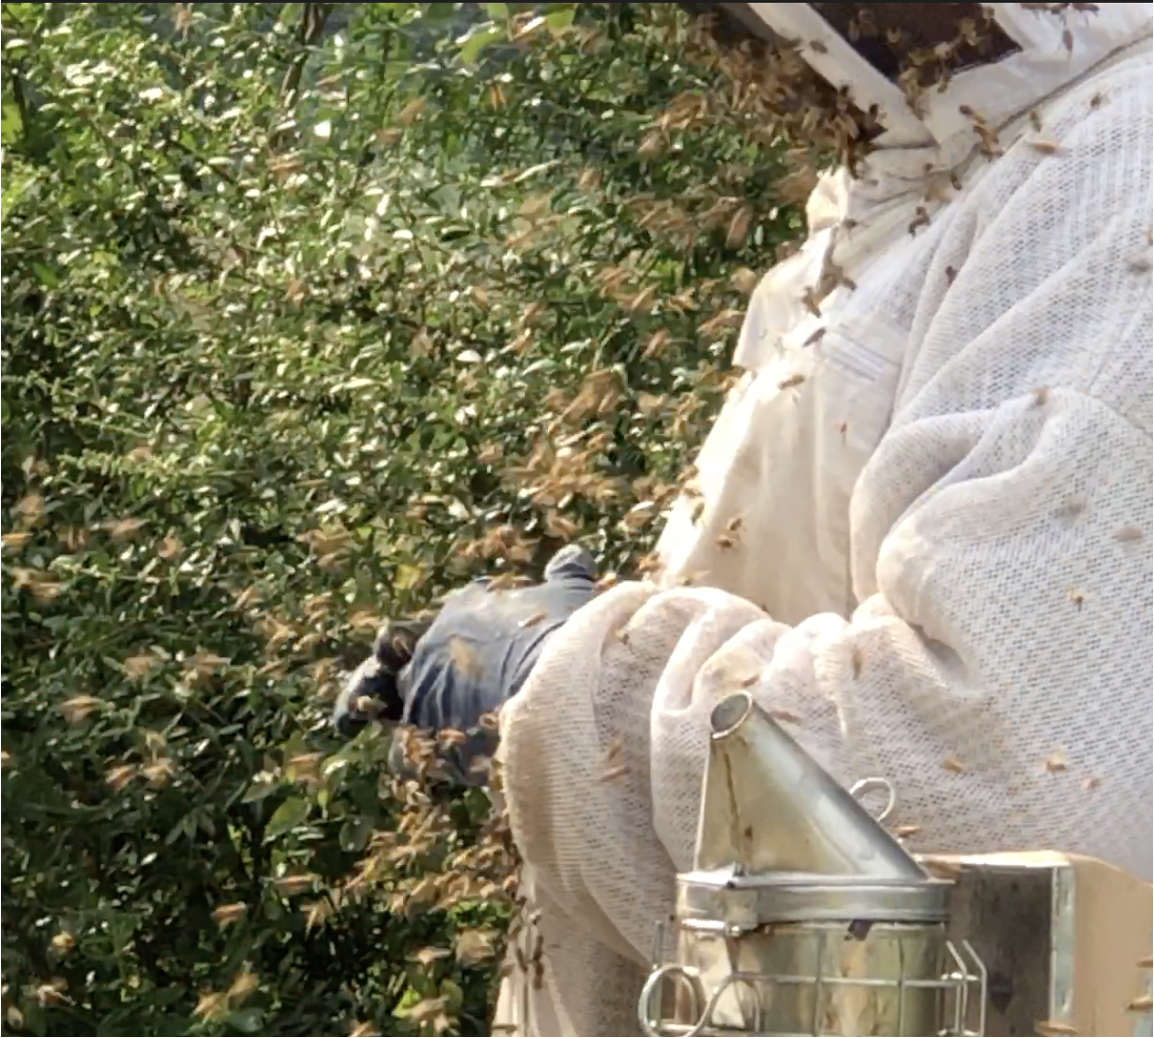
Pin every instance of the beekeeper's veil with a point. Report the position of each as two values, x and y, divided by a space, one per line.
929 124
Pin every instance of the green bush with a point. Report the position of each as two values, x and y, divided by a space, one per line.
310 312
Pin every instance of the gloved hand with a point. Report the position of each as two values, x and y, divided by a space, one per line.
371 692
473 657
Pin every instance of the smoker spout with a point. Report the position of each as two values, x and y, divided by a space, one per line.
769 807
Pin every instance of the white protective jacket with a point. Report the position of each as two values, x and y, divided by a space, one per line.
939 494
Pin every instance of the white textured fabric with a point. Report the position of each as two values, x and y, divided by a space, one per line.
939 498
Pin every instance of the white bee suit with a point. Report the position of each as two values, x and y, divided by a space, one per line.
938 493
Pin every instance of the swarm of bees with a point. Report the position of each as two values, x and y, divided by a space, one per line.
767 84
424 865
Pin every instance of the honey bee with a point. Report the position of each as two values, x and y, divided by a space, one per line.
614 766
738 229
921 219
606 581
225 915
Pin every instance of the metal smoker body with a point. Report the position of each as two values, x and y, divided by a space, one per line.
807 918
803 916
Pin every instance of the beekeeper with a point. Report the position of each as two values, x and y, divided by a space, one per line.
922 532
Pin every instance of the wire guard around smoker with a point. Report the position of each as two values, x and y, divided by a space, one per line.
966 980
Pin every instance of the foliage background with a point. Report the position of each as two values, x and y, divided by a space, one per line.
311 311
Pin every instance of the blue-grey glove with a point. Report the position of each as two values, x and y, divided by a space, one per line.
371 692
477 654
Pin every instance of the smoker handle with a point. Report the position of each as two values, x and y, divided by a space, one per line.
654 985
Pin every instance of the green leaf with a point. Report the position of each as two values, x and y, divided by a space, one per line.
17 180
259 788
287 817
496 11
21 13
45 275
11 122
452 994
439 12
355 834
408 576
247 1021
559 17
477 40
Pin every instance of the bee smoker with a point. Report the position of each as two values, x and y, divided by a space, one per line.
802 915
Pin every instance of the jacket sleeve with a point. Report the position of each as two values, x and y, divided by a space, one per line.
999 677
